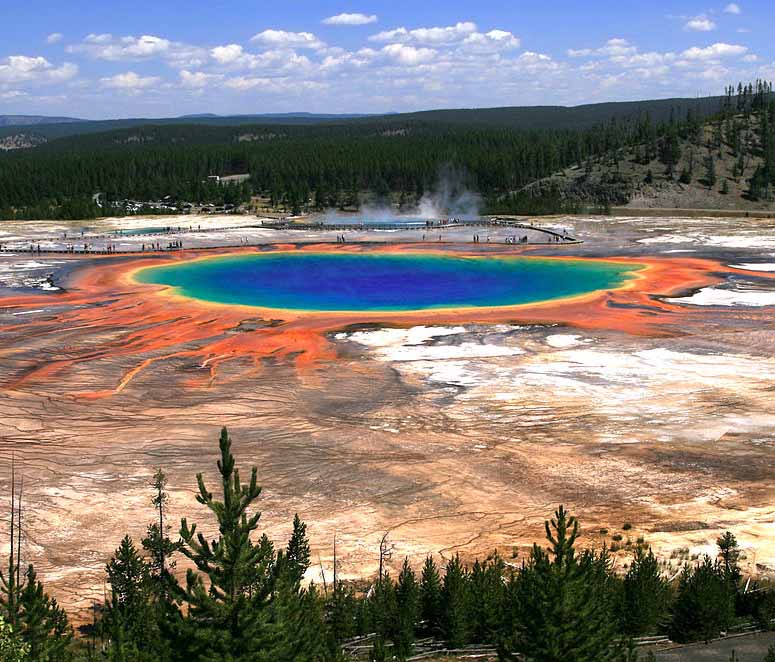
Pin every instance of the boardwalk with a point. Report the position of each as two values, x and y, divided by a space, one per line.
176 238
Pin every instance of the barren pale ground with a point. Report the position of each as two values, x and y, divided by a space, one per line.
459 437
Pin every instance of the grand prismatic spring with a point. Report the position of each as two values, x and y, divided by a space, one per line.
446 392
384 281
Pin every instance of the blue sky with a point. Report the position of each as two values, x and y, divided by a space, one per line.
157 59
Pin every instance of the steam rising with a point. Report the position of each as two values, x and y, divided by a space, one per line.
451 197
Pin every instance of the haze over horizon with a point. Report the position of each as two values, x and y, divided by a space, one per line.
147 60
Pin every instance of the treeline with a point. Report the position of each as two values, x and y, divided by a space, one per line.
745 125
754 101
315 167
242 599
298 166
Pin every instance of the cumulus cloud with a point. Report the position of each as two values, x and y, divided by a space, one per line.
494 40
532 62
106 47
129 48
400 68
350 19
700 24
21 68
715 51
227 54
435 36
733 8
54 38
12 94
130 81
409 55
283 39
234 57
272 85
196 79
612 48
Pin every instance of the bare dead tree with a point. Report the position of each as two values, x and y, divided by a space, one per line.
385 553
19 535
334 563
11 580
323 575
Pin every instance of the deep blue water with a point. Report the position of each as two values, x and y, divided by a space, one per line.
383 281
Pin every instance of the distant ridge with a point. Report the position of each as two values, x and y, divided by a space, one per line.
30 120
566 117
507 117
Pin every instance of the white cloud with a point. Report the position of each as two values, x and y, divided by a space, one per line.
613 48
196 79
644 60
233 56
54 38
245 83
494 40
715 51
435 36
409 55
272 85
700 24
119 49
733 8
130 81
21 68
106 47
533 62
283 39
350 19
227 54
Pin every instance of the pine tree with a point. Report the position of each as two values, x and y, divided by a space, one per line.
296 559
455 603
43 623
12 647
226 618
704 605
408 607
430 597
296 630
564 618
710 171
342 610
487 599
645 595
729 553
130 616
383 612
157 542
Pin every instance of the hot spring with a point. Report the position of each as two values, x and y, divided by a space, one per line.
384 281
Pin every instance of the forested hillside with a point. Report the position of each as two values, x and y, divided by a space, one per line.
298 165
399 158
726 161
